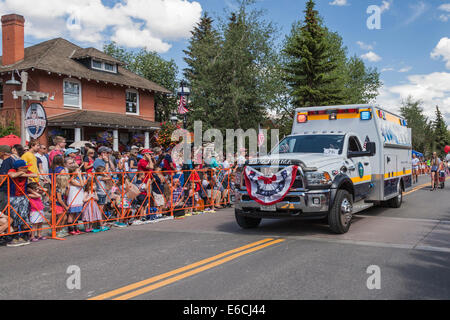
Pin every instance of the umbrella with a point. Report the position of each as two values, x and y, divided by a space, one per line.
10 140
418 154
79 144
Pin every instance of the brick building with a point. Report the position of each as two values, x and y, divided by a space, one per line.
91 95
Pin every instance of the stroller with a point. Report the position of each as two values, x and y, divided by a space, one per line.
442 179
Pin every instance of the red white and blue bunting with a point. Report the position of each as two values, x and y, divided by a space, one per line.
269 190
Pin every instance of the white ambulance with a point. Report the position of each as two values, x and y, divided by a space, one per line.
339 160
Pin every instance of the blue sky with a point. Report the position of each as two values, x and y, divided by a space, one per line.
412 48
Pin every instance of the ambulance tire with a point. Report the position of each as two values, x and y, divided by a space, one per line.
246 222
397 201
340 215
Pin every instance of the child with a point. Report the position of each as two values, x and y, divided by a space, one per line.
19 202
124 202
36 211
158 190
102 182
61 208
191 200
91 210
75 199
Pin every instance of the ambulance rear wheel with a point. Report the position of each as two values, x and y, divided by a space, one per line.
341 214
246 222
397 201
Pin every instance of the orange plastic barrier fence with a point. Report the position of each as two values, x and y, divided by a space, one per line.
68 200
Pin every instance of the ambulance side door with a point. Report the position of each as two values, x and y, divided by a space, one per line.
361 173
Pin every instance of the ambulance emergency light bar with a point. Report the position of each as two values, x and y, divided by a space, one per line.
302 117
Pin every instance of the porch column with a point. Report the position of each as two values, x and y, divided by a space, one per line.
116 140
147 140
77 134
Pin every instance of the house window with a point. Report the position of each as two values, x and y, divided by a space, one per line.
132 102
104 66
109 67
97 64
72 93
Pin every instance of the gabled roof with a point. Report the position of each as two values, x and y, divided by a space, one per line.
87 118
56 56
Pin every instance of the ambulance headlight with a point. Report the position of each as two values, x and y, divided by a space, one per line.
318 178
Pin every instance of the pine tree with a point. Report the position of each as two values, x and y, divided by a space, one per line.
441 137
412 111
201 56
310 64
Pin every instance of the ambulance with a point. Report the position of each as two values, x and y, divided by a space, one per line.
338 161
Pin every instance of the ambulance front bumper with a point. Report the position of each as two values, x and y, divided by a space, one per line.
294 204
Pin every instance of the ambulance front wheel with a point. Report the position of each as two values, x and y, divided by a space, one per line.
246 222
341 214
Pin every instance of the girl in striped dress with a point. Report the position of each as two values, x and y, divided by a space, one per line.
91 211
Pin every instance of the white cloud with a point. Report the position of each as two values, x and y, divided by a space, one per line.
417 10
405 69
444 17
445 7
339 3
364 46
371 56
433 89
149 23
402 70
442 50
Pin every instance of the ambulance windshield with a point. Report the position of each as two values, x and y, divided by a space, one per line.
311 144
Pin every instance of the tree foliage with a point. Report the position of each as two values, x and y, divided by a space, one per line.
319 72
153 67
441 136
310 64
412 111
231 69
9 129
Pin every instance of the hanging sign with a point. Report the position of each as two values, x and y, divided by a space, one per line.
35 120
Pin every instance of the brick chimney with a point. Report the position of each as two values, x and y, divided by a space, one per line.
13 38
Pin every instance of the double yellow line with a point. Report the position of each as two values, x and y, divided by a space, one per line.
150 284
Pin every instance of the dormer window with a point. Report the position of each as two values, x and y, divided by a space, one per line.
104 66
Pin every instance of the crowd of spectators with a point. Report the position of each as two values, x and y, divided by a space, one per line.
93 188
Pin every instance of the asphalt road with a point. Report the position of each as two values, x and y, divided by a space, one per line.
209 257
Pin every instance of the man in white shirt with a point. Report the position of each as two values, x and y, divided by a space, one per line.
415 168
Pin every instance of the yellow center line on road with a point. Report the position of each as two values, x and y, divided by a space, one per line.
174 272
152 287
420 187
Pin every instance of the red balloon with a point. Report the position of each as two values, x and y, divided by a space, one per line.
447 149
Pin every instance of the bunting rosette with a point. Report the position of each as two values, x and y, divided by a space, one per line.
269 190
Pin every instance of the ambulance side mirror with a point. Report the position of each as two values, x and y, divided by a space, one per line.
370 151
372 148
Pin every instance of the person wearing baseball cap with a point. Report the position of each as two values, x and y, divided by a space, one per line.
146 163
71 151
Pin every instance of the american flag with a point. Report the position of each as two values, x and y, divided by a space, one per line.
182 105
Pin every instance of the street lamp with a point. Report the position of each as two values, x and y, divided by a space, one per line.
174 118
184 92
